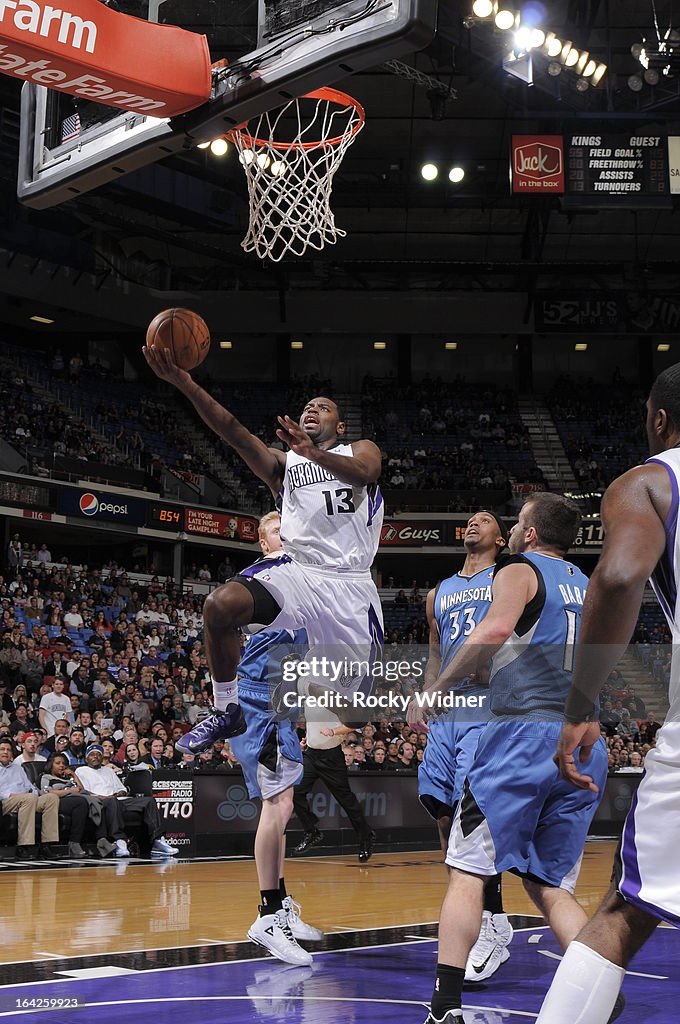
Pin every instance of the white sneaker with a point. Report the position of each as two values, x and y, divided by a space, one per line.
300 930
161 848
487 954
503 928
272 932
122 848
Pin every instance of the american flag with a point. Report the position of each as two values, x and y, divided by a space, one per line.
70 127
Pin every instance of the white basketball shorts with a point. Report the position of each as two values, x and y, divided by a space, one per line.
341 612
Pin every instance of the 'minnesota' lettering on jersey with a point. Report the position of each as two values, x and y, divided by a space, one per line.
305 473
447 601
459 607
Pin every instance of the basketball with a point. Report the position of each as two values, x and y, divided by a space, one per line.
184 333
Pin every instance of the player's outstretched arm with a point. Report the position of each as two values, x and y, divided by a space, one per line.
361 468
633 512
266 463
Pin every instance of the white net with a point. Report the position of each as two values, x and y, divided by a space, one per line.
290 157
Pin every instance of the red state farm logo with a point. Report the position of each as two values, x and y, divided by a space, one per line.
89 504
538 160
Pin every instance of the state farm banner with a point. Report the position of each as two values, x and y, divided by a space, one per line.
86 49
220 524
537 166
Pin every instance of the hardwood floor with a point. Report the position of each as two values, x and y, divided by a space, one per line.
120 907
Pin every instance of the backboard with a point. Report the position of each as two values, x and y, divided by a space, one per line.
277 49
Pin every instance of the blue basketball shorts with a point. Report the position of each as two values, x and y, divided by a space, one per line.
269 750
517 813
448 756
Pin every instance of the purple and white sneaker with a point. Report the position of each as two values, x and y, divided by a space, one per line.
221 725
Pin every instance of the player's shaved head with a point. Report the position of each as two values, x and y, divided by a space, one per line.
325 398
663 410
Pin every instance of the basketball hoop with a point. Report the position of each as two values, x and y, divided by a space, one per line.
290 182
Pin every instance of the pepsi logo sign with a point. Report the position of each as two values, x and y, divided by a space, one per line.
90 505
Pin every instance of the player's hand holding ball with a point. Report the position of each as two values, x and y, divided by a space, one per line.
177 340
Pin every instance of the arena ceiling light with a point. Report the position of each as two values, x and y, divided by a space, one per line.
429 172
505 18
41 320
451 346
598 74
456 175
225 344
202 145
528 38
380 346
219 147
581 346
297 345
552 45
663 347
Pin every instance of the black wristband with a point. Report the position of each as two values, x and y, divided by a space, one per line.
579 707
579 719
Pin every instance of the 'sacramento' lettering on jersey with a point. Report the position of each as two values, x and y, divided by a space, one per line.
306 473
447 601
326 522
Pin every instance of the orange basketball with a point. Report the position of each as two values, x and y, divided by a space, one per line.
184 333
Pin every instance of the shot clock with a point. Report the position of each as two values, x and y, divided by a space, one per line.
166 517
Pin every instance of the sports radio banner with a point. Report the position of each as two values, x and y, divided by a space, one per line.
86 49
537 166
174 794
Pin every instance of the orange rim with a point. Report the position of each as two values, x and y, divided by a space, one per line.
343 99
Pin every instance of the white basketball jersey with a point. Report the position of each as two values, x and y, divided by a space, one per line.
665 577
328 523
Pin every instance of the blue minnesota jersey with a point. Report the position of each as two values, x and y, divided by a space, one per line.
460 604
531 673
262 656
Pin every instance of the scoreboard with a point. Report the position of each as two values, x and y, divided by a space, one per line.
617 165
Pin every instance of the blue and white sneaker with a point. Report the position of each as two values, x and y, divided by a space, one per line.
161 848
221 725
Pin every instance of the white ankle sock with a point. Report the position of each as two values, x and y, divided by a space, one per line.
584 988
225 693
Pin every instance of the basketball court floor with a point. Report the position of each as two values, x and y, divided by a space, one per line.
133 941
